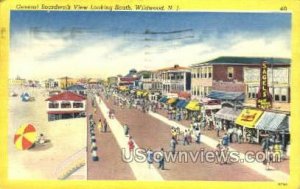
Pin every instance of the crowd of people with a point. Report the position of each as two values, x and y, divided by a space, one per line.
199 121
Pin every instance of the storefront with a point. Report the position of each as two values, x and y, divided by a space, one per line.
248 119
276 126
193 108
226 116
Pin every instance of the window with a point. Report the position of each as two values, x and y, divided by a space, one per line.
198 92
208 89
280 94
65 105
277 94
252 91
53 105
209 72
205 72
284 93
77 105
230 72
202 73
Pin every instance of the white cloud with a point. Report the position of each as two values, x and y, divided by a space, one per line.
52 56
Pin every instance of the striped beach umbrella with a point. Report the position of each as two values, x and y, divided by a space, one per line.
25 136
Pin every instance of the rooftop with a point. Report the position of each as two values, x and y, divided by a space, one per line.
236 60
76 88
175 67
66 96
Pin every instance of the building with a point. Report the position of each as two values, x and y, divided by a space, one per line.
237 76
78 89
236 82
156 79
18 81
145 81
174 79
201 80
130 80
113 81
65 105
65 82
279 75
51 83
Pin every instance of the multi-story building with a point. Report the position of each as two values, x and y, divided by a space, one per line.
202 79
156 79
278 83
235 75
174 79
236 81
145 81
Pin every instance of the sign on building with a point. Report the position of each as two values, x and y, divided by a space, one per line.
264 98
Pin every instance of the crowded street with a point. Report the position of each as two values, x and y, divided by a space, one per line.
149 132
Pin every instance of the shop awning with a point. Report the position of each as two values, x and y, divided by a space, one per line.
226 95
248 117
228 114
270 121
139 93
193 105
123 88
181 103
171 100
145 93
163 99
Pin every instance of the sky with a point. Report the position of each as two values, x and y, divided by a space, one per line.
101 44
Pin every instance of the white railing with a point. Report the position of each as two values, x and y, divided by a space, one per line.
71 164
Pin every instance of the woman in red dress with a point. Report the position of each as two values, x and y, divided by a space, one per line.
131 144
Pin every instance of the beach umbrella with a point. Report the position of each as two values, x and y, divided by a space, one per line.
25 136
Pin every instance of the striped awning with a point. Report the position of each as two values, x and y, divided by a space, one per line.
271 121
226 95
228 114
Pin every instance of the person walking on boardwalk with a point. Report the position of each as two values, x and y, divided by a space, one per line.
173 145
131 144
126 129
185 137
161 161
100 125
150 156
105 124
198 135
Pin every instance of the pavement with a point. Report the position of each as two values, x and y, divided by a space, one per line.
151 132
110 165
141 171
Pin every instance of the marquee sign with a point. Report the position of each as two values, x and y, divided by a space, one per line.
264 98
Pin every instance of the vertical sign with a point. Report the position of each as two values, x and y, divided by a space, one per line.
264 98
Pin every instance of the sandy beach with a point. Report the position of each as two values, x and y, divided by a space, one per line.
67 137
